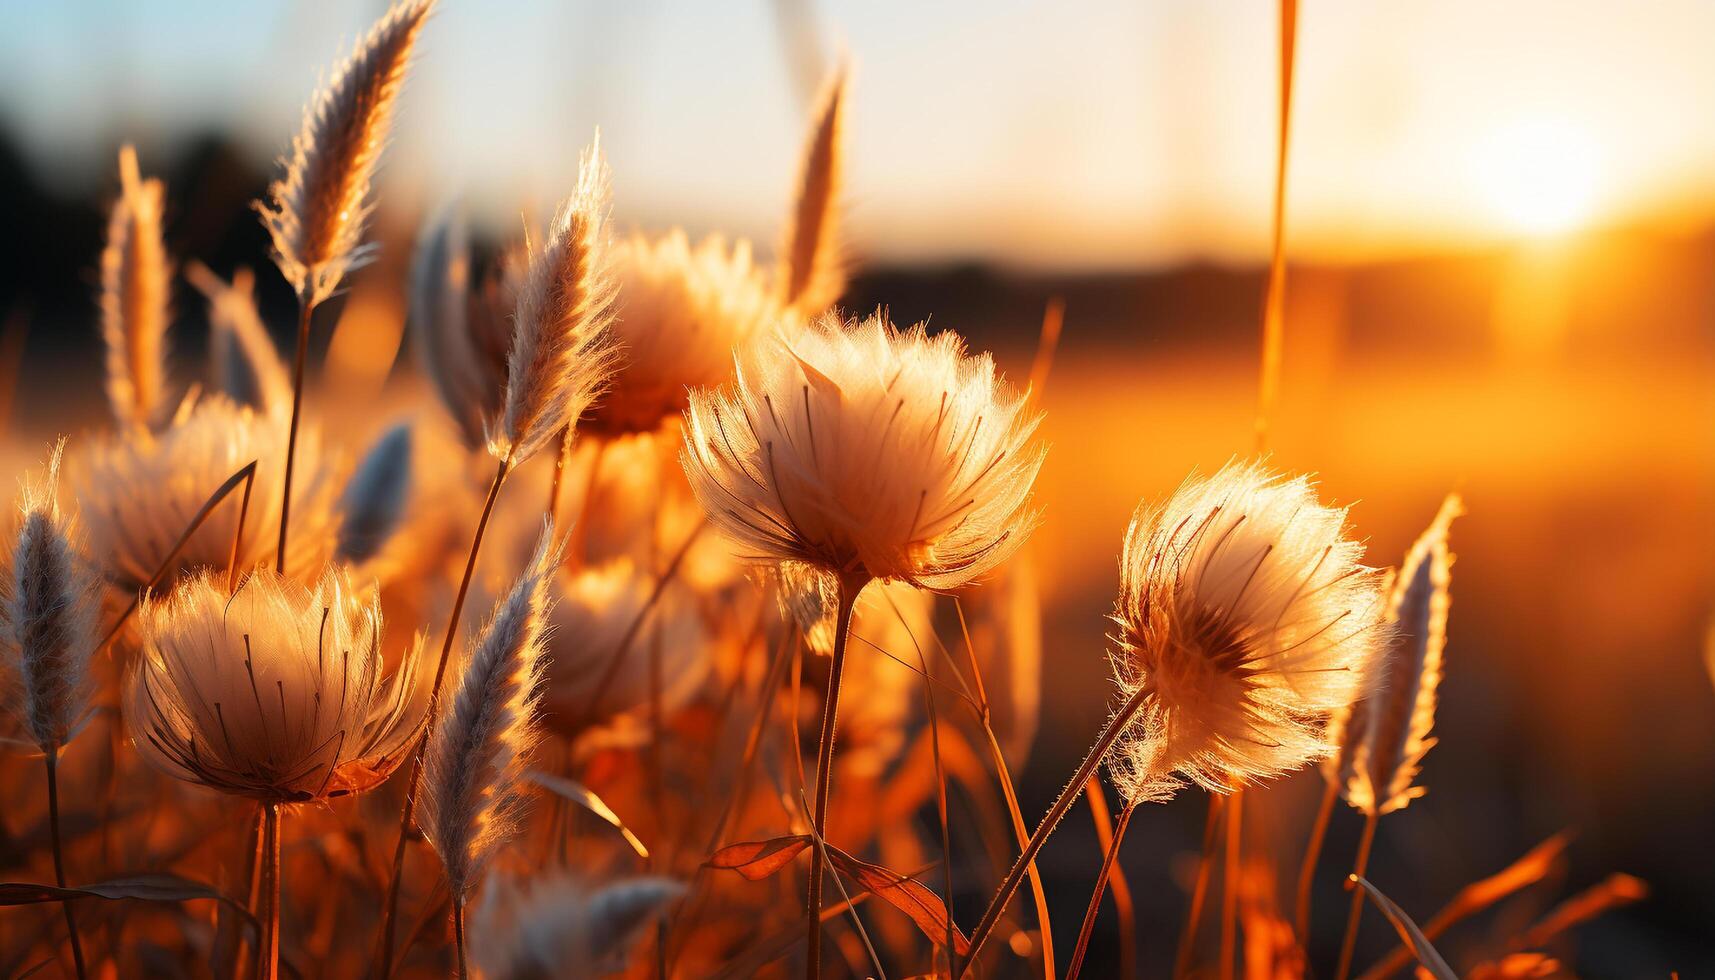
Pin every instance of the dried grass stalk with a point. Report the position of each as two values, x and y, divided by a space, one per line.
561 357
316 210
814 275
136 284
245 365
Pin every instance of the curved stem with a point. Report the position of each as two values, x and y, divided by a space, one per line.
1312 855
52 758
305 308
1123 904
1350 944
391 909
1089 925
1230 882
848 593
268 950
1188 938
1057 812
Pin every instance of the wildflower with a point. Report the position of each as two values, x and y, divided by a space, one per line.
862 452
1244 618
275 692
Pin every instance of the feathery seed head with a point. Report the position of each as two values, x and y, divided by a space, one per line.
561 356
599 609
680 314
275 692
140 492
1388 731
462 335
317 209
866 453
471 801
1246 615
245 364
136 284
374 500
814 275
50 599
534 929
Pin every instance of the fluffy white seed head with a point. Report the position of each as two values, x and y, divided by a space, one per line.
866 452
1388 731
316 210
136 285
276 692
561 355
139 492
1246 615
680 314
471 801
50 599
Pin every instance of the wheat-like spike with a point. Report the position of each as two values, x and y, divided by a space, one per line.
1400 713
243 361
471 800
374 500
135 287
1346 723
316 210
814 276
535 927
561 356
50 599
440 322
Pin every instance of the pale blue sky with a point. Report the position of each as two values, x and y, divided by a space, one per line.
1105 131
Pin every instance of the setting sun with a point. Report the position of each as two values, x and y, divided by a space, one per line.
1538 176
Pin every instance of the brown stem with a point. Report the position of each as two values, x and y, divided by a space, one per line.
1312 855
560 460
848 593
229 944
1194 918
268 950
1123 904
458 937
391 909
52 758
238 529
1098 752
1231 869
1089 925
305 308
1350 944
1274 305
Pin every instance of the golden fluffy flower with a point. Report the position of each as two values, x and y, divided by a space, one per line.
681 313
1245 616
866 453
274 693
139 491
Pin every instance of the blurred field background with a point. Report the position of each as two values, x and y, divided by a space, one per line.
1502 230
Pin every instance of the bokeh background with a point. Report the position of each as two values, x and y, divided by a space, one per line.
1502 281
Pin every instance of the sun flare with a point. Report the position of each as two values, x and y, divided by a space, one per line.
1538 177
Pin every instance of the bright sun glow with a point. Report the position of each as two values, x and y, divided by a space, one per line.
1538 176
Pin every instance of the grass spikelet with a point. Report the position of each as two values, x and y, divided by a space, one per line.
317 208
560 358
814 276
535 928
49 604
441 322
136 284
1390 728
245 365
470 797
374 500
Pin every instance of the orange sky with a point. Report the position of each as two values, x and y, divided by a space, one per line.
1104 132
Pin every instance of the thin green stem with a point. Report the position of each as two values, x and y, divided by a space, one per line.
848 593
305 308
52 758
1098 752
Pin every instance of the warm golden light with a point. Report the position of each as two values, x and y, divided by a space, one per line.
1538 176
